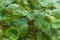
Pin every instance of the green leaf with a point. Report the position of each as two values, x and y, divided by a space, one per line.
40 24
6 2
19 22
12 37
1 34
30 37
22 31
47 30
54 38
56 23
39 35
10 31
0 18
36 15
57 32
1 7
56 13
6 39
14 7
7 23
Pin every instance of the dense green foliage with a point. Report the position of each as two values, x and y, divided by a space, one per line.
29 19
